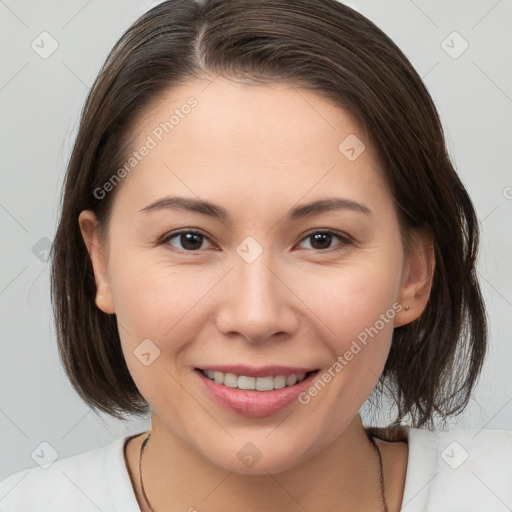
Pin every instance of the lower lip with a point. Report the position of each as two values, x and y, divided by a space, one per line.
255 404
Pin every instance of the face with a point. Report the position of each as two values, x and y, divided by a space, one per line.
295 265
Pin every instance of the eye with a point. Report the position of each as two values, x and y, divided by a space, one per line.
189 240
322 239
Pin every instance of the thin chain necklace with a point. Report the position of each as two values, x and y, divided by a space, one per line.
383 505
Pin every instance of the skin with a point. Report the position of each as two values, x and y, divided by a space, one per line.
257 151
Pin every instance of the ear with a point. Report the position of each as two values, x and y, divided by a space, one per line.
98 254
417 277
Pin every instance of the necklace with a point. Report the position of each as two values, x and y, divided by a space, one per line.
383 504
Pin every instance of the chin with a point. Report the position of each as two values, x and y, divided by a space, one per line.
251 460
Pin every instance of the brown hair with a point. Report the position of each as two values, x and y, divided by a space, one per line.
328 48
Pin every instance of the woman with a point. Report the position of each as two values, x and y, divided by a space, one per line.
223 144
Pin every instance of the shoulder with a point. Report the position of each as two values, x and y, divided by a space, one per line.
464 469
91 481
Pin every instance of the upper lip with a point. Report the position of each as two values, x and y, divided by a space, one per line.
263 371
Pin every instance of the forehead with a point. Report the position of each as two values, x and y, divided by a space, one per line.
205 136
273 113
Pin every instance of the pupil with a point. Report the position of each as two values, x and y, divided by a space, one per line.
187 241
193 241
319 237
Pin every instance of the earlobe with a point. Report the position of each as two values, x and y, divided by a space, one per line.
417 278
104 299
97 253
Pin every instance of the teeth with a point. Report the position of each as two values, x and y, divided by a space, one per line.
279 382
291 380
264 383
259 384
230 380
246 382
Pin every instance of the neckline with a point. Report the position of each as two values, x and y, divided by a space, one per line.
401 434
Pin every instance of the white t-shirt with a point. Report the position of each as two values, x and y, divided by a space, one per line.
462 470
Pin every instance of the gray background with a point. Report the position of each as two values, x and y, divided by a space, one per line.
40 101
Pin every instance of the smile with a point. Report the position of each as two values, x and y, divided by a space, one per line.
255 392
267 383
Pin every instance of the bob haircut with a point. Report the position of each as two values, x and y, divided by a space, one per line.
332 50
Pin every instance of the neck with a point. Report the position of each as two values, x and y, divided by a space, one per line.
345 473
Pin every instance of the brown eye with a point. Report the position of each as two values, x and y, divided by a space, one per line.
321 240
186 240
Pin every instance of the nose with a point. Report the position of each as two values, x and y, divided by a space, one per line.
256 303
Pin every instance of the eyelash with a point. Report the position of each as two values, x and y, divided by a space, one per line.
346 240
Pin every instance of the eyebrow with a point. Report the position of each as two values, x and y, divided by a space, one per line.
218 212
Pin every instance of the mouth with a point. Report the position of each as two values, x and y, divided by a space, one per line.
263 392
264 383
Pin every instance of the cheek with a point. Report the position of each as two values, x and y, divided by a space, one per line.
168 305
357 305
155 305
358 310
152 296
350 300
